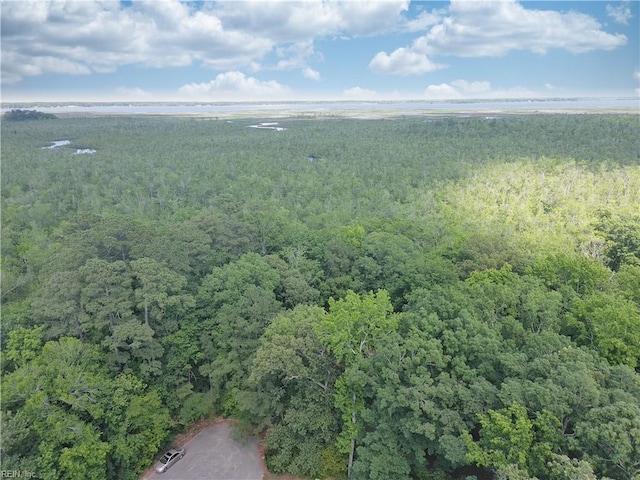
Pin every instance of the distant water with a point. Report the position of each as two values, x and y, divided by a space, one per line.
222 108
56 144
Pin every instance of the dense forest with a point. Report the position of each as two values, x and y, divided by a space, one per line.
412 298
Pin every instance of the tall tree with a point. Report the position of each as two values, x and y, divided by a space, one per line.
107 296
156 289
291 391
59 305
351 331
133 349
236 302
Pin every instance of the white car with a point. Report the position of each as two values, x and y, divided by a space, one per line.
169 458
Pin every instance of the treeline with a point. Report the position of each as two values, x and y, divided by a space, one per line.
18 114
401 299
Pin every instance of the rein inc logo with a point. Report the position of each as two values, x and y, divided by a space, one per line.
17 474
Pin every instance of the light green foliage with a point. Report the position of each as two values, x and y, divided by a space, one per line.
512 472
86 459
565 468
136 426
76 422
581 274
352 330
628 282
57 392
540 207
609 324
505 439
356 323
24 345
511 442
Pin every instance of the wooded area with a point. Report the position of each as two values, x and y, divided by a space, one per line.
412 298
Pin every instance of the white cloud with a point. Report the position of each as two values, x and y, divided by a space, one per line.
472 87
366 17
311 74
85 36
443 91
296 56
357 93
423 20
287 21
463 89
490 28
620 13
254 67
233 86
458 89
494 28
100 36
403 62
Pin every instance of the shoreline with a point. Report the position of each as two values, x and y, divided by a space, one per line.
356 114
337 109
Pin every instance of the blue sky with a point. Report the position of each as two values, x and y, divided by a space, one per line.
167 50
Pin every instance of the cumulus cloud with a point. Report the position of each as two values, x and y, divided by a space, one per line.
463 89
294 55
423 20
458 89
100 36
297 21
403 61
79 37
358 93
476 29
234 86
620 13
495 28
311 74
366 17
